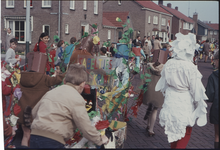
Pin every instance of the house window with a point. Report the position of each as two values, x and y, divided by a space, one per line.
160 34
191 26
84 5
46 29
66 29
119 2
96 7
9 3
148 34
19 30
155 21
84 28
211 32
205 31
109 34
46 3
148 19
153 33
72 4
119 34
163 22
25 3
215 32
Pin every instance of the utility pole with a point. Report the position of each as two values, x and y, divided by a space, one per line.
27 28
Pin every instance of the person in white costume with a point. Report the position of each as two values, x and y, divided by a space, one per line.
183 91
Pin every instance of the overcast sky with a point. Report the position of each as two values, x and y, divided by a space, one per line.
207 10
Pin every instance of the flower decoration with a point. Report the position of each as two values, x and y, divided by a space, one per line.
94 25
18 93
118 19
184 46
96 40
56 38
85 34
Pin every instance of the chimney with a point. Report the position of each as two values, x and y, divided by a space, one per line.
176 8
160 2
169 5
195 16
209 21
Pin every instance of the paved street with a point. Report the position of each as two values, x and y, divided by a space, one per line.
137 137
201 137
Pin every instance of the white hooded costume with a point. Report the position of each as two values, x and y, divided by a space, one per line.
184 92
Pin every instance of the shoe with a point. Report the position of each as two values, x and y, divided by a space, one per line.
151 133
27 116
147 128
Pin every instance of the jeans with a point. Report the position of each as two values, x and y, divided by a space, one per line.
37 141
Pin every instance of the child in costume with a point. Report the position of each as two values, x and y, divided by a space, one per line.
184 93
138 52
52 56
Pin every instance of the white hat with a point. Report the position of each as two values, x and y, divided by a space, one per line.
184 46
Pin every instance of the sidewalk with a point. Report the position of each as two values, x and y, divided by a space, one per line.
201 137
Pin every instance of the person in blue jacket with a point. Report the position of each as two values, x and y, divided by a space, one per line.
69 50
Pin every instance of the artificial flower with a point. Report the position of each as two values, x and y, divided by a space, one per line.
96 40
56 38
13 120
18 93
118 19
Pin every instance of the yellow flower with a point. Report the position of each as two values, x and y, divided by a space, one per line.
96 40
118 19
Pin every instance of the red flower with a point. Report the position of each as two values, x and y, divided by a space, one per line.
102 125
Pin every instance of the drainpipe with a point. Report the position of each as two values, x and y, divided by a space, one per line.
59 21
115 35
27 28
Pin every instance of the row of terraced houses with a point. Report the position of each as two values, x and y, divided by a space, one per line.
72 18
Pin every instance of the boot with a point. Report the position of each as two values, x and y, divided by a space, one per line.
216 144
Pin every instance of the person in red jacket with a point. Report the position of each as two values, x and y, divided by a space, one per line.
138 52
42 47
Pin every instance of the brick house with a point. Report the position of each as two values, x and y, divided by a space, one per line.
213 31
200 28
147 17
180 22
112 28
74 17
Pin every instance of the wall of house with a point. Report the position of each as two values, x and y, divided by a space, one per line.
201 30
137 15
159 26
175 26
74 18
41 16
184 31
213 37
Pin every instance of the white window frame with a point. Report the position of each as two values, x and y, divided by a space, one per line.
46 5
148 34
205 31
96 7
13 30
10 6
215 32
211 32
66 28
153 33
160 34
43 28
72 4
163 21
148 19
119 2
180 24
184 25
109 34
191 26
25 2
155 20
84 5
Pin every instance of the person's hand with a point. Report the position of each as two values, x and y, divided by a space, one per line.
105 140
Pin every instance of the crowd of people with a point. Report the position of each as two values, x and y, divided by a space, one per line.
49 114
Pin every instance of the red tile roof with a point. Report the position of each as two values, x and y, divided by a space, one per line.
177 14
152 5
214 25
109 18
